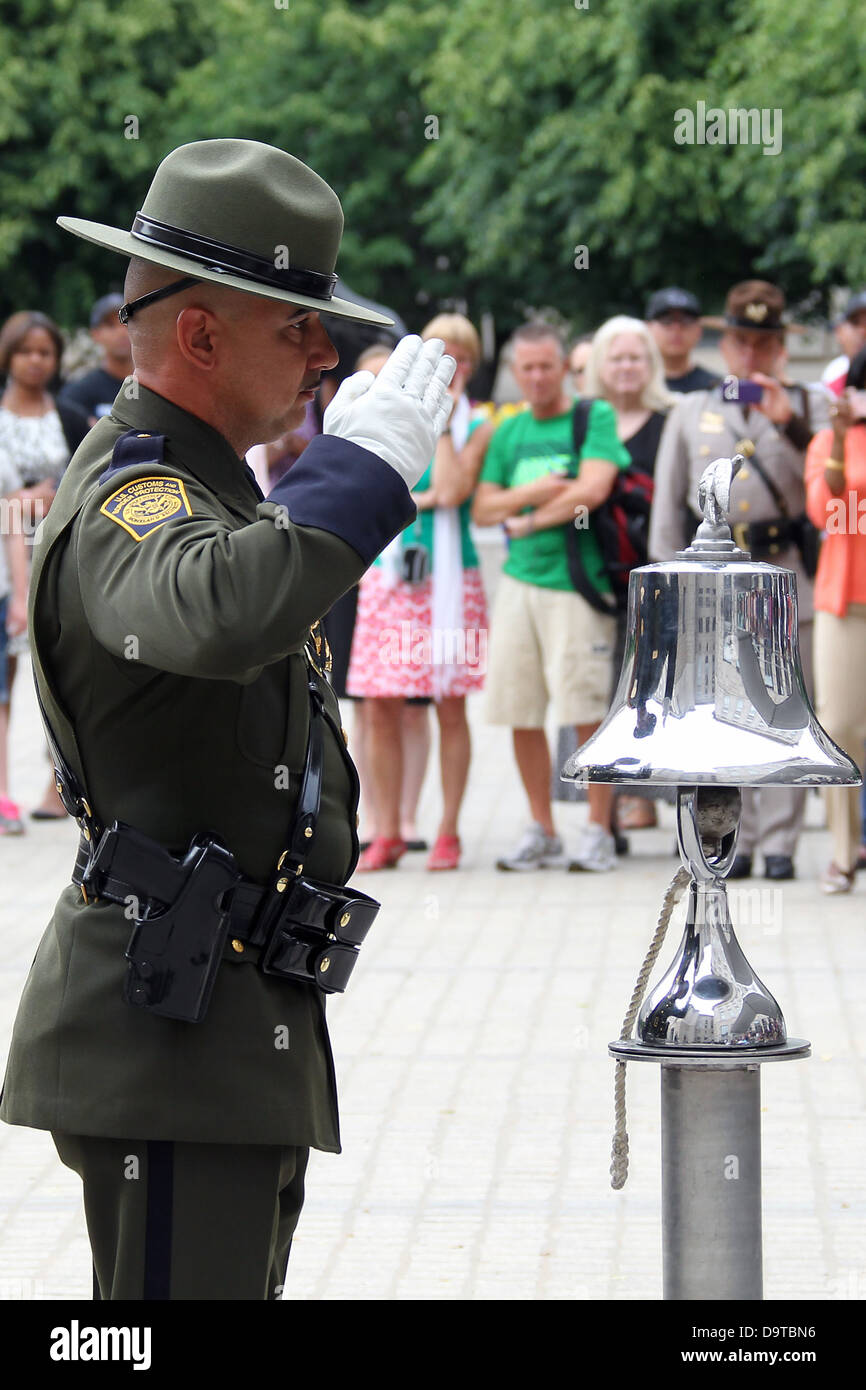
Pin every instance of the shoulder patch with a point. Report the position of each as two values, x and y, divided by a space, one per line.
145 504
133 449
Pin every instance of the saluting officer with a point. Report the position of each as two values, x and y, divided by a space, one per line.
767 504
172 1034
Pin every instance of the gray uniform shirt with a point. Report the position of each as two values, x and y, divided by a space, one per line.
702 427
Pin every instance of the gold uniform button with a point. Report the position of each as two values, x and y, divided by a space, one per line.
142 436
325 964
238 946
744 506
345 919
743 473
308 833
282 885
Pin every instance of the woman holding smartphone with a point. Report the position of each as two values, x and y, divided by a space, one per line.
836 502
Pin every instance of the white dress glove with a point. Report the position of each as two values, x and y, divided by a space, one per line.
400 413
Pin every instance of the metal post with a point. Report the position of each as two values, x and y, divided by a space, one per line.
711 1165
711 1182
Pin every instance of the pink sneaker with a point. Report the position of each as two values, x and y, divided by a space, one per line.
445 854
381 854
10 817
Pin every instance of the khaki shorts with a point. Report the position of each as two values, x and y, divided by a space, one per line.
547 644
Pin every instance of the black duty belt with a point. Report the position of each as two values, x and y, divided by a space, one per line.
313 934
125 860
185 908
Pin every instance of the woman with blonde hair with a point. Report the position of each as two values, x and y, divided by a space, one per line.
422 624
625 368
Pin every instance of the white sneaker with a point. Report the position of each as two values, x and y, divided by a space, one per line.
836 880
596 850
535 850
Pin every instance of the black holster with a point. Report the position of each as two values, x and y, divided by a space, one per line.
173 955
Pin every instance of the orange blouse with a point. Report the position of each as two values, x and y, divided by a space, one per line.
841 577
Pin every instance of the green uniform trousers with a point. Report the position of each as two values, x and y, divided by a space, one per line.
170 1220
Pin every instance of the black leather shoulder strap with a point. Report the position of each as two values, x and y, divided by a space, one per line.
579 426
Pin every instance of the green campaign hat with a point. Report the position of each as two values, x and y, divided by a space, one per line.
241 214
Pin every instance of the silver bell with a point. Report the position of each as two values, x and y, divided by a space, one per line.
711 698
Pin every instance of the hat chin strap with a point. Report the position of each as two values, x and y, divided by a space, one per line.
126 311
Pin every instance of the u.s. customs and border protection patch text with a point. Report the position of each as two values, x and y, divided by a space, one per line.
146 504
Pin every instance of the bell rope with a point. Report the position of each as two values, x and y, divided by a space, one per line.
619 1149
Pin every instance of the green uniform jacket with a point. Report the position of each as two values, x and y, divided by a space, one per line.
168 620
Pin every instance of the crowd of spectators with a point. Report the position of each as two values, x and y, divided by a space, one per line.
629 398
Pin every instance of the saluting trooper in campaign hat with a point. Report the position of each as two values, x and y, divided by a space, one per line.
172 618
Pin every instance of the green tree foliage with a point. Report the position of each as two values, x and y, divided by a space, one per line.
71 73
475 146
558 132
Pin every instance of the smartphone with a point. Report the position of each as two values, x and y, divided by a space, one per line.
735 388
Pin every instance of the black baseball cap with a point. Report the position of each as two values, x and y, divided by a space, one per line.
672 300
856 304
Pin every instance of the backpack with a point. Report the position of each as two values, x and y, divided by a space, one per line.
620 526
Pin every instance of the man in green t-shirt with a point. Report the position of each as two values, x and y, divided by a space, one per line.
548 643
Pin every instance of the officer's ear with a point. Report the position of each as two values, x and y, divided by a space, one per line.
197 334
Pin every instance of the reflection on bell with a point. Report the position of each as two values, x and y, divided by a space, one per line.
710 996
711 698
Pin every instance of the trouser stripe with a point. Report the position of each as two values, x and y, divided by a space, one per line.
157 1254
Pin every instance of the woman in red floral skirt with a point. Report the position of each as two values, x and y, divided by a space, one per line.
421 628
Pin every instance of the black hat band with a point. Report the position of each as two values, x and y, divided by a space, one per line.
219 255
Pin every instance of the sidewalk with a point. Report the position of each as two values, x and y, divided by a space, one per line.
476 1089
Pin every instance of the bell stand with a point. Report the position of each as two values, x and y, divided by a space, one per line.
710 1111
